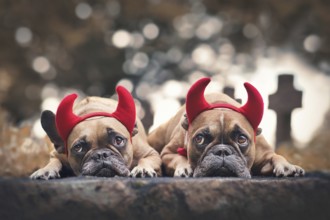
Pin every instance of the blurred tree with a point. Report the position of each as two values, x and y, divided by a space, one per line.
91 45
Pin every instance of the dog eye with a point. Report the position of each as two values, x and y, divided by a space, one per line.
242 140
78 148
119 141
199 139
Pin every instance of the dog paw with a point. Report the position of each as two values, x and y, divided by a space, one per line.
143 172
183 172
287 169
45 174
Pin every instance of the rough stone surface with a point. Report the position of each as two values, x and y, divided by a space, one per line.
167 198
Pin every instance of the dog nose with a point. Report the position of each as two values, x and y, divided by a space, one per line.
103 155
223 151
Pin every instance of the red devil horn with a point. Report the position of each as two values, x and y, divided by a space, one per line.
254 107
65 118
195 101
125 112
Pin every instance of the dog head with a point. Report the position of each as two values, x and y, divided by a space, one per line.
221 134
97 138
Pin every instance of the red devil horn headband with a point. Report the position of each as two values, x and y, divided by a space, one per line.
196 103
66 119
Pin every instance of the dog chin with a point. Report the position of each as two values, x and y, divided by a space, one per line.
216 166
104 172
104 169
223 172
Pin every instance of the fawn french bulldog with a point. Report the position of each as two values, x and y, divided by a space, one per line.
214 135
98 137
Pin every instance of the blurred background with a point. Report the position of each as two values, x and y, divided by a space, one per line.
157 49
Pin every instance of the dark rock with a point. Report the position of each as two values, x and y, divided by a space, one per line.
167 198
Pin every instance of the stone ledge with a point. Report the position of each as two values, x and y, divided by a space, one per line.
167 198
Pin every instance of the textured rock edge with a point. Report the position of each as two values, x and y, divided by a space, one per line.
166 198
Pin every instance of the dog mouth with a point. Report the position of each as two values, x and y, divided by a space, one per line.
223 172
217 166
108 168
101 170
104 172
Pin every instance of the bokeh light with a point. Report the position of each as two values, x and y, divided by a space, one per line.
50 103
204 55
140 60
312 43
83 10
137 40
208 27
174 55
150 31
23 36
129 68
49 90
41 64
250 31
121 39
143 90
173 89
184 25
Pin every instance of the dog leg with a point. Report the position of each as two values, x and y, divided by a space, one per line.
267 162
50 171
175 164
282 168
143 170
148 165
147 161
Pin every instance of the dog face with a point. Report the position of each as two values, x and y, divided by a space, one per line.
100 146
95 135
221 143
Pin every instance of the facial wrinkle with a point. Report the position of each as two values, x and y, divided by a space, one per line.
222 128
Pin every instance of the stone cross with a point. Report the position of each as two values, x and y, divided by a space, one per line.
230 91
283 102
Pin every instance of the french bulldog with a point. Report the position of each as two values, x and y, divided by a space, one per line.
213 135
98 137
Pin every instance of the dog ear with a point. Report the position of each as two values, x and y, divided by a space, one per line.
185 122
49 125
259 131
135 130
